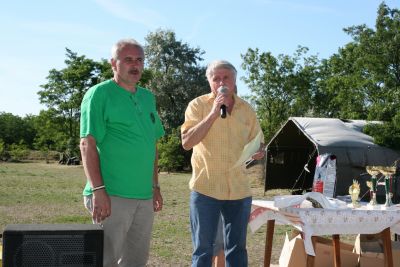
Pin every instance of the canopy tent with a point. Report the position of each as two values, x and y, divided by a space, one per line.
292 153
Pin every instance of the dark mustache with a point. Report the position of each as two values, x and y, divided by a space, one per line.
133 71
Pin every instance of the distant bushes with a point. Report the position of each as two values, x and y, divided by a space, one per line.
16 153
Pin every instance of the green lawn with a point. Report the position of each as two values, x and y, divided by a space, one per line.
51 193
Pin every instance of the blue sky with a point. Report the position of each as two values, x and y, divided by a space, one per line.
34 34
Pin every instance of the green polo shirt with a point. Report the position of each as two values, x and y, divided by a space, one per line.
126 127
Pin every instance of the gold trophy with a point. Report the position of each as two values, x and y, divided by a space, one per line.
388 173
373 171
354 191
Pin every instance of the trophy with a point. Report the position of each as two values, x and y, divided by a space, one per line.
354 191
388 173
373 171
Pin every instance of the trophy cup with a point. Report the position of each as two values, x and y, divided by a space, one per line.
388 173
373 171
354 191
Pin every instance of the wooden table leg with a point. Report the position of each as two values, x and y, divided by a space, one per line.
336 250
387 247
268 242
311 259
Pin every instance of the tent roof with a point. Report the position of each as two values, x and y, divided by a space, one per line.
343 138
300 137
334 132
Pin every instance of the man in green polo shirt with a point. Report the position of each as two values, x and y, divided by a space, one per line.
119 130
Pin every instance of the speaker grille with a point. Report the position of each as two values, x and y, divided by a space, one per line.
58 247
34 253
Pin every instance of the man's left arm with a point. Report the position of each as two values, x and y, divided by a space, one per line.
157 198
260 152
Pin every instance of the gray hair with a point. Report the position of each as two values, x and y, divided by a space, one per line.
117 47
219 64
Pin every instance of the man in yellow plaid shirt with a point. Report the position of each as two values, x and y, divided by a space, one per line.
218 187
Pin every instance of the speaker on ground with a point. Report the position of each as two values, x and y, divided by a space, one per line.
52 245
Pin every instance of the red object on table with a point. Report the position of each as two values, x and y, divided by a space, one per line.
318 186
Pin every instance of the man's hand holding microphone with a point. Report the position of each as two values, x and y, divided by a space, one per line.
222 98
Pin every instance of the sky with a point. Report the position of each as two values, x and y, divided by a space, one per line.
34 34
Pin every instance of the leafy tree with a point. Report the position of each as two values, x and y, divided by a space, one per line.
3 153
66 87
380 50
170 151
280 86
340 92
30 131
364 76
360 81
176 76
14 130
50 133
386 134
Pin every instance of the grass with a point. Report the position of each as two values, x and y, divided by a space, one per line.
37 193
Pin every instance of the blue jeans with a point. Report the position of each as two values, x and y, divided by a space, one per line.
219 238
205 213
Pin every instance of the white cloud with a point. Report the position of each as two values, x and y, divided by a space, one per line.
149 18
199 23
56 27
299 6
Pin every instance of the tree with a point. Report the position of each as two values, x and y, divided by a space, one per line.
341 89
3 153
170 152
380 59
50 134
364 76
66 87
16 130
176 76
386 134
360 81
367 76
280 87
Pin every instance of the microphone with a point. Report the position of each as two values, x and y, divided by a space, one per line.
223 90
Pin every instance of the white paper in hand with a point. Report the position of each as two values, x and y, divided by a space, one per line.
249 149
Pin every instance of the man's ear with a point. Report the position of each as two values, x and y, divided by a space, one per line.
113 63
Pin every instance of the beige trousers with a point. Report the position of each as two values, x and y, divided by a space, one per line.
127 232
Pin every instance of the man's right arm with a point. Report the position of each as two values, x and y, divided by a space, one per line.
90 160
91 165
194 135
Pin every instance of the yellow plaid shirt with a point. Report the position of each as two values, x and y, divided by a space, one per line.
214 157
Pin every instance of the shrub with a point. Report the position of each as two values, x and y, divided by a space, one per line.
18 151
170 152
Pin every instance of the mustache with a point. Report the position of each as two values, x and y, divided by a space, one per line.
134 71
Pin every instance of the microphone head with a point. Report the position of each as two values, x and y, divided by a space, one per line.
222 90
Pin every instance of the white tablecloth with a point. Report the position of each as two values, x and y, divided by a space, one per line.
316 221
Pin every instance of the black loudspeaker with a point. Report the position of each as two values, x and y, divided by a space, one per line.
52 245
